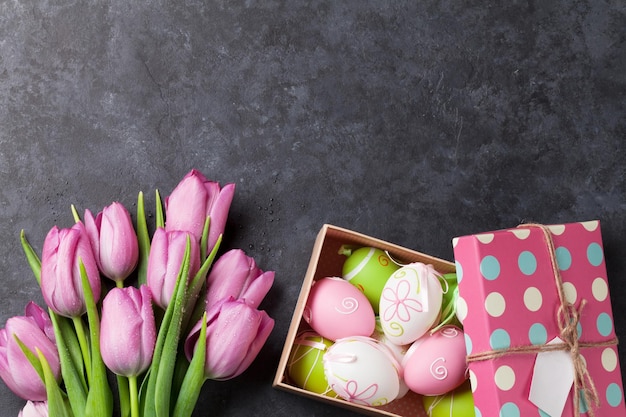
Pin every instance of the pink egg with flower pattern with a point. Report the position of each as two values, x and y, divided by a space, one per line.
336 309
435 364
363 371
410 303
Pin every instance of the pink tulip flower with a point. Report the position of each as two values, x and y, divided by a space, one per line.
34 329
128 330
195 198
236 332
236 275
60 272
113 240
34 409
167 251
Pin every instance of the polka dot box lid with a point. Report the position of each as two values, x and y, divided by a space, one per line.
508 298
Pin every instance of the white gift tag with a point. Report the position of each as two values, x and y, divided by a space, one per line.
553 377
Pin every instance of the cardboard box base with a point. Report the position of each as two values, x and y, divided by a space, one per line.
325 262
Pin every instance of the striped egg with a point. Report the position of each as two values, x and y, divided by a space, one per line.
368 269
305 367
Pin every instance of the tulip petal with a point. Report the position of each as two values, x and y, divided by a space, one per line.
258 289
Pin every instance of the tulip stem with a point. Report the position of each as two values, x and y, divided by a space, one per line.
84 347
119 284
134 396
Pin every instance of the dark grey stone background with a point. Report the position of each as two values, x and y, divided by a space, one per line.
410 121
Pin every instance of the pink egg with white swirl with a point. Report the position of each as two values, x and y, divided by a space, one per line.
336 309
435 363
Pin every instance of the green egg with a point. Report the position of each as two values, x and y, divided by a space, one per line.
448 305
305 367
368 269
457 403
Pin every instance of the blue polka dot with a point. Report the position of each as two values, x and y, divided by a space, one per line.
459 272
468 344
563 258
500 339
579 330
537 334
613 395
477 412
527 263
604 324
490 267
509 410
594 254
543 413
582 404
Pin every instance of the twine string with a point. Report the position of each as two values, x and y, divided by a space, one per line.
568 317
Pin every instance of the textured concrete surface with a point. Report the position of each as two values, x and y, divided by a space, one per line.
413 122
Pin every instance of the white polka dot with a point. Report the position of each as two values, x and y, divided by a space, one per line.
570 292
485 237
533 299
521 233
505 378
495 304
461 309
600 289
455 241
557 229
591 226
609 359
473 380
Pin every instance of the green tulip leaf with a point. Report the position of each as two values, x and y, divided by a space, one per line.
100 397
194 378
75 213
71 363
57 406
172 337
32 358
204 240
31 257
143 239
160 217
156 391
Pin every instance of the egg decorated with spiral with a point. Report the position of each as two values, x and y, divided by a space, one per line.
363 371
368 269
336 309
435 363
410 303
305 367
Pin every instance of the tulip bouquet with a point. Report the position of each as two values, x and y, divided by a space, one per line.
188 318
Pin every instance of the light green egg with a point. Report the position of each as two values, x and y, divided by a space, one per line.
305 367
368 269
457 403
448 305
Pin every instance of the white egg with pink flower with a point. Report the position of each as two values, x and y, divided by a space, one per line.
363 371
410 303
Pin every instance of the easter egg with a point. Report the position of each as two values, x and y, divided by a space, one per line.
368 269
398 352
450 295
458 403
435 363
305 367
362 371
335 309
410 303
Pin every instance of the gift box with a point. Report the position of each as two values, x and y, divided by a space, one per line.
535 306
326 261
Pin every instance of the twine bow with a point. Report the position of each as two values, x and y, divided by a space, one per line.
568 317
